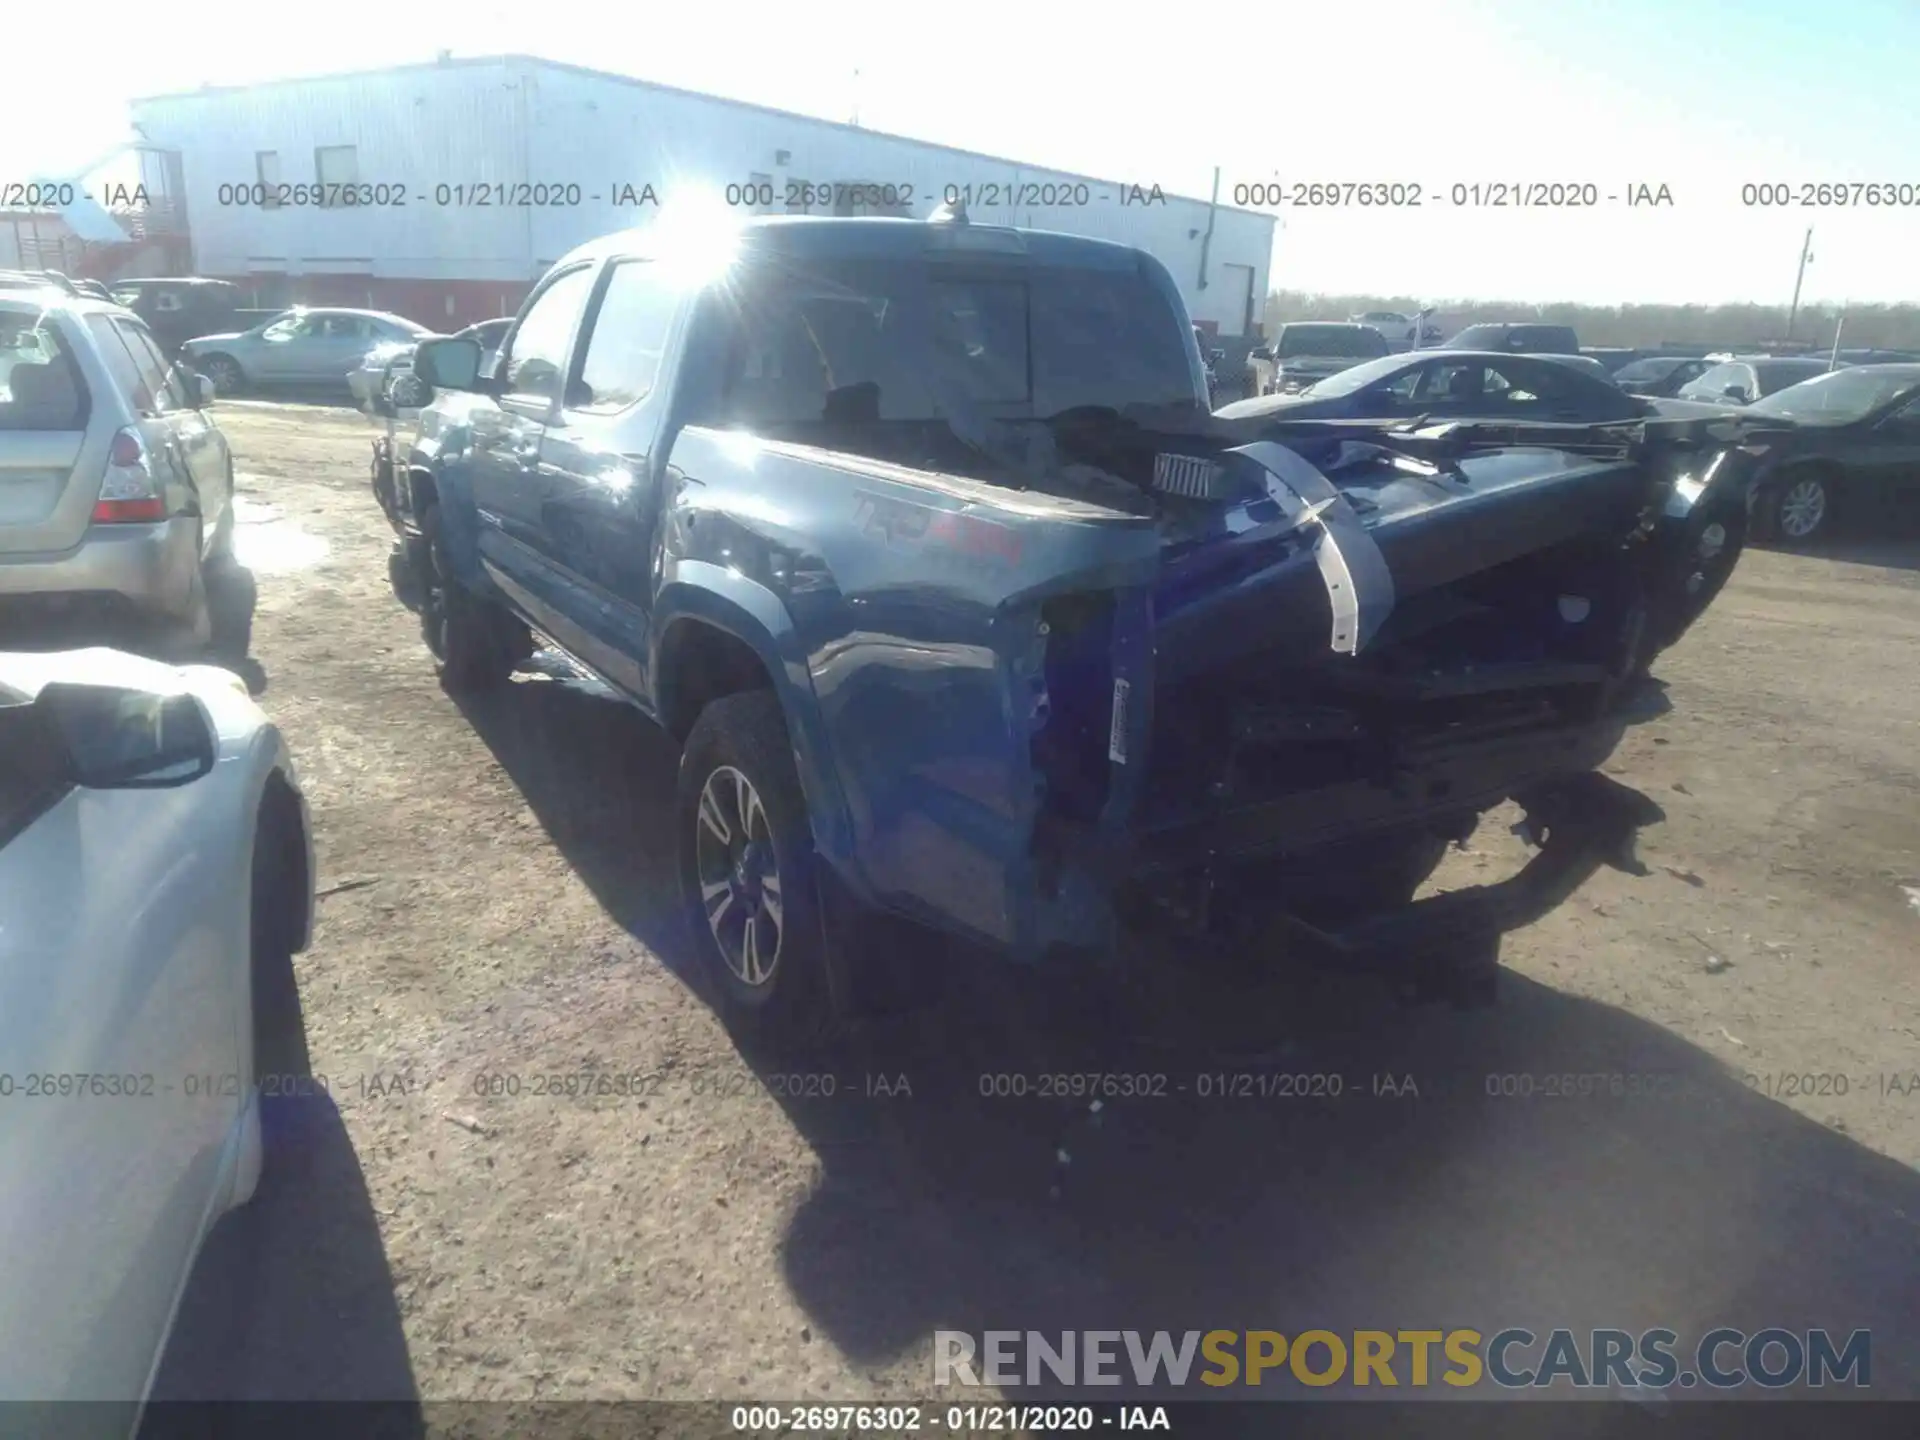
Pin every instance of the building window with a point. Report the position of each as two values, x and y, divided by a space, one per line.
266 165
335 166
762 184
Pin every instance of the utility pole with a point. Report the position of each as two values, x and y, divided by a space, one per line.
1806 254
856 99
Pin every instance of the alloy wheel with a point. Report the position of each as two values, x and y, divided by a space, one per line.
1802 508
739 872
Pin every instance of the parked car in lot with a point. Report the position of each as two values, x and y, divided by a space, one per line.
1453 383
1305 352
1660 376
1853 450
1401 331
1609 357
181 308
299 347
385 364
1746 379
1523 339
116 485
823 501
156 878
1586 364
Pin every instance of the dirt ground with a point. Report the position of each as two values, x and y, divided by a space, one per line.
496 908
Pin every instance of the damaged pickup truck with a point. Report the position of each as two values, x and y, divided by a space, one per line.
919 537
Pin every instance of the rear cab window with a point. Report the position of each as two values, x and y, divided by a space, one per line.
41 386
903 342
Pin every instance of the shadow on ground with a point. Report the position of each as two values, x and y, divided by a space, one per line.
1892 542
1284 1150
292 1299
232 595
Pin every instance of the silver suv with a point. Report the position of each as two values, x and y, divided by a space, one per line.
116 488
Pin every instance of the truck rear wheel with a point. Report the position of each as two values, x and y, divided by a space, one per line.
748 872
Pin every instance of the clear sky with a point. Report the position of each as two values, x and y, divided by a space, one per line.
1699 95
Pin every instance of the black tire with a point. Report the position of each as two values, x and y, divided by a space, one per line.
279 885
792 1006
225 373
1796 509
475 644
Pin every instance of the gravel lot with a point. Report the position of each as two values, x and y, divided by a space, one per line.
496 882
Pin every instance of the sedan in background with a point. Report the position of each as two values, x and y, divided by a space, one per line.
386 363
1307 352
1586 364
1743 380
1660 376
156 879
1452 384
1521 339
1402 331
1853 451
300 347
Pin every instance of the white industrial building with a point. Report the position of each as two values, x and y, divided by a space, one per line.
443 137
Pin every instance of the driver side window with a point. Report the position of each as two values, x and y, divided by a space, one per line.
534 362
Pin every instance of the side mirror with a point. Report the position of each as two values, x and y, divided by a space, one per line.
448 364
1217 355
1262 352
203 389
120 739
1734 392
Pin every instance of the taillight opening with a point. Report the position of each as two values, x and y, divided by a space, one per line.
128 494
127 451
127 512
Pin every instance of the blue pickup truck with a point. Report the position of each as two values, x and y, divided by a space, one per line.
920 539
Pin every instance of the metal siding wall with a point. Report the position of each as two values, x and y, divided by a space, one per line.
508 121
416 128
605 134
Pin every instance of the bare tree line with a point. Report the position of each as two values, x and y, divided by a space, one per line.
1878 326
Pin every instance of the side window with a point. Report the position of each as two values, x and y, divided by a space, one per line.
162 381
536 354
336 167
1716 379
627 339
121 365
1402 388
1457 382
266 165
285 329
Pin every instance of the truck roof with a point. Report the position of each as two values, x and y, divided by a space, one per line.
868 237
